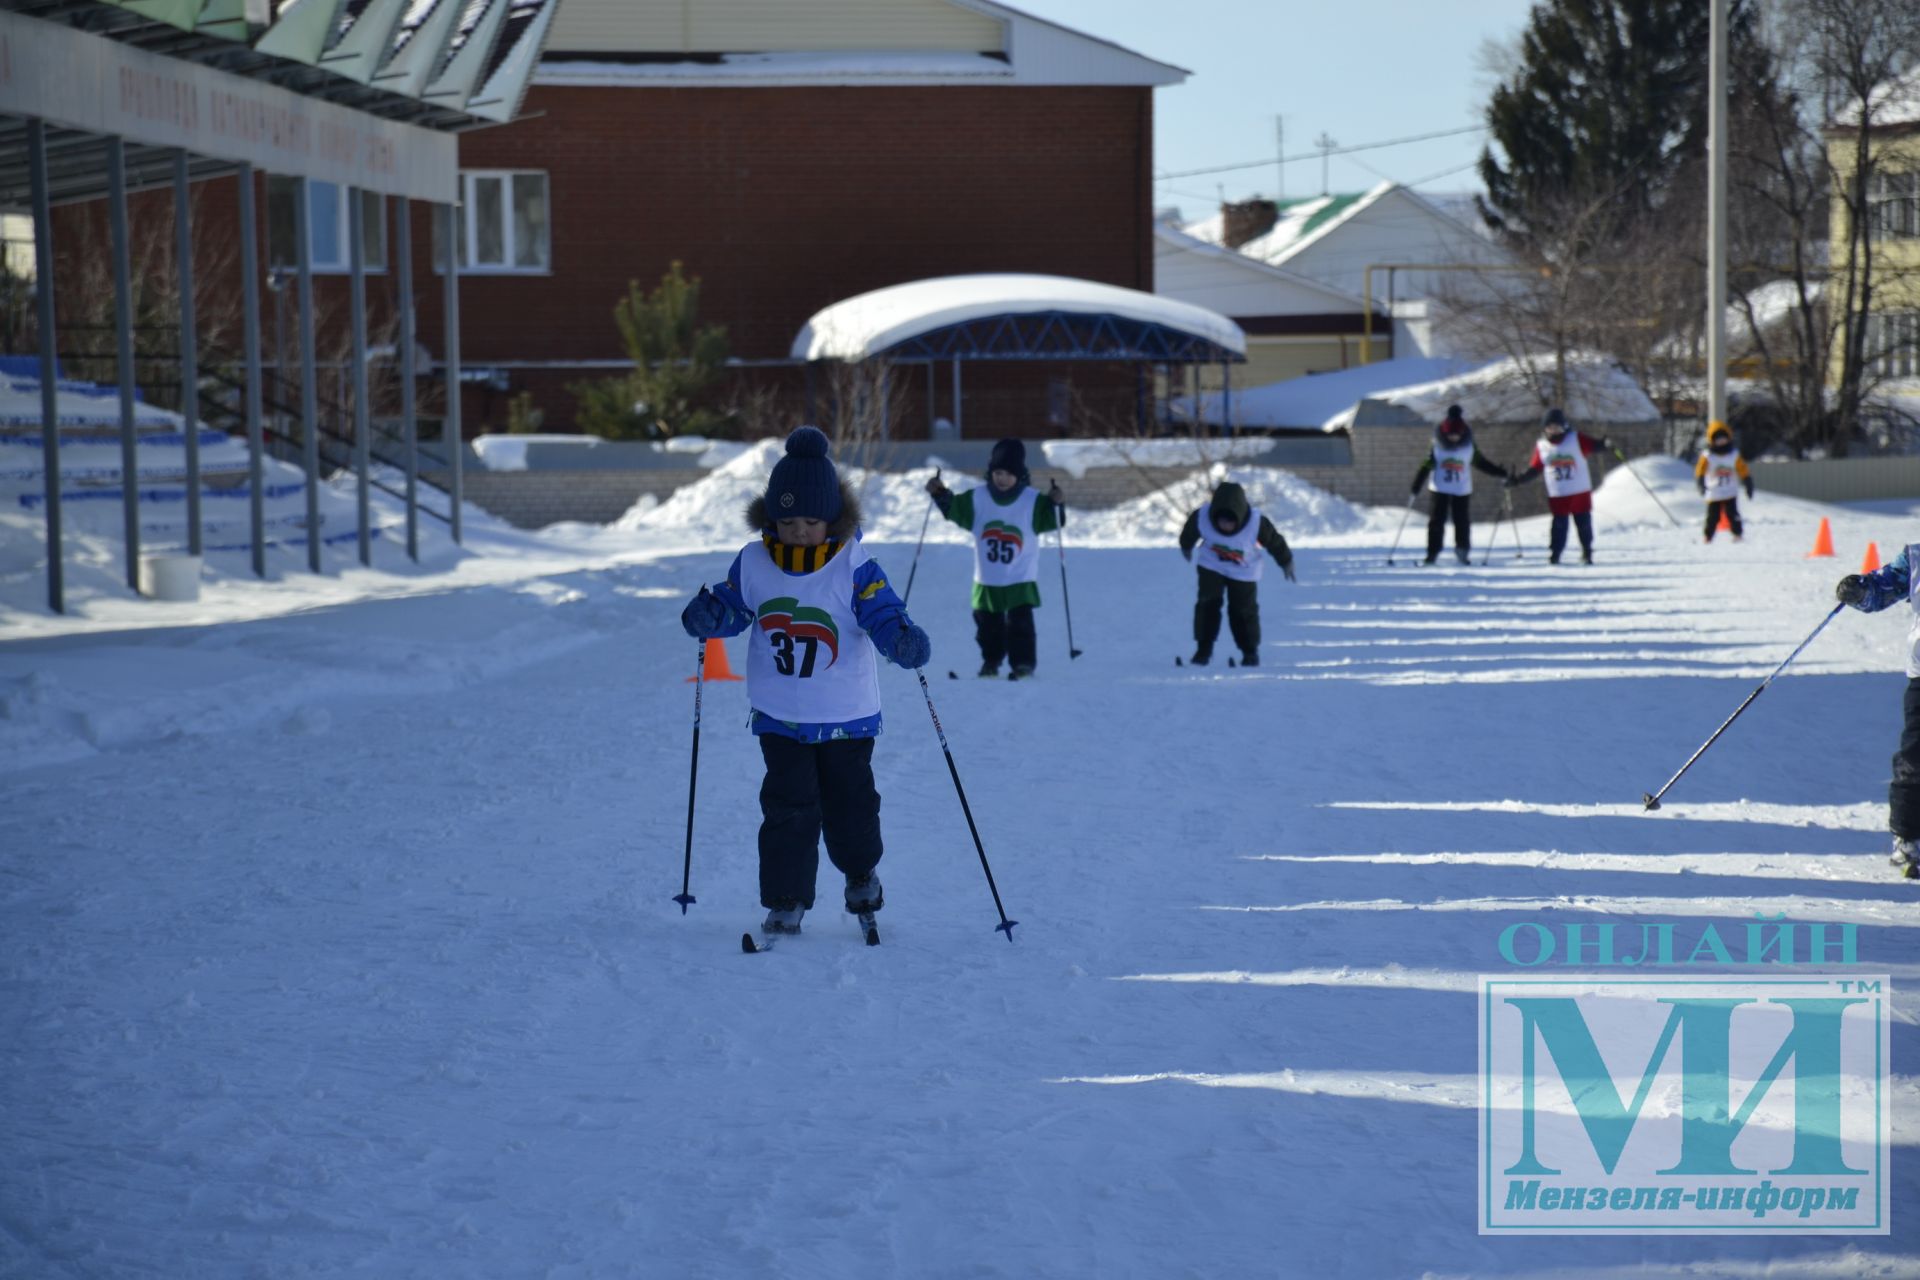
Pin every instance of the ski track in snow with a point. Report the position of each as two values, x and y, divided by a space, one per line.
341 942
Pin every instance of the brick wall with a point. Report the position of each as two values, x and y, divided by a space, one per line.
781 200
1385 458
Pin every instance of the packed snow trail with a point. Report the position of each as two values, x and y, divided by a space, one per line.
353 947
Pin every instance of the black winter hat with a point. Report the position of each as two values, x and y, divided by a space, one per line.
804 482
1555 418
1009 455
1454 414
1229 500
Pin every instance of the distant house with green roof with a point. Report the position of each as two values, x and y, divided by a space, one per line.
1333 240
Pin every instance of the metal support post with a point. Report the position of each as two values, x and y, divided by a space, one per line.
49 359
189 345
250 339
409 427
309 376
123 350
357 363
450 434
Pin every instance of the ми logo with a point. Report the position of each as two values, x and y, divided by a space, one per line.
1696 1105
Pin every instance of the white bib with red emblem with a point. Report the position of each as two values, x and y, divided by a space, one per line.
1565 466
808 661
1723 475
1006 550
1233 555
1451 473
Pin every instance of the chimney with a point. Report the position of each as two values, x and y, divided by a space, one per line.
1247 220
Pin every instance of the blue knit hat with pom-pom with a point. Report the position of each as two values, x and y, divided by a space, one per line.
804 482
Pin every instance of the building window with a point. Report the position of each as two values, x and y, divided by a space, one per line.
502 224
326 225
1893 205
1893 344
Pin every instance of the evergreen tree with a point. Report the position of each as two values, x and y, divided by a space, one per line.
1606 105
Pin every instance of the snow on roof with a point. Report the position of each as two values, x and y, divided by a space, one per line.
1174 238
1317 399
1517 390
1299 222
1895 102
1027 50
871 323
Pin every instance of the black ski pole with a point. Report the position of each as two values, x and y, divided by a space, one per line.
1495 535
684 898
1066 605
1649 488
931 504
1653 801
1513 522
1005 926
1411 499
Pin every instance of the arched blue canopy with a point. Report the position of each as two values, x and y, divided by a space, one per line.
1018 317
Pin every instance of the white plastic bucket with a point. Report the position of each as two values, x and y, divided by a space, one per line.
170 577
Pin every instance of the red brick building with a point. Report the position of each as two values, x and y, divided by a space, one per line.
796 154
789 153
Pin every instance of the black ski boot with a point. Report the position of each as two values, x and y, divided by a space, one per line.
783 918
989 671
1249 657
863 895
1201 656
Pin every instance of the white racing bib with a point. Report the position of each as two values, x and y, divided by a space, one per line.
1005 548
808 661
1451 473
1233 555
1565 466
1723 475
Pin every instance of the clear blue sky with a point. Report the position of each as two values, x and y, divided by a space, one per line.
1360 72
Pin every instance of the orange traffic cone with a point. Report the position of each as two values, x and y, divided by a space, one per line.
716 668
1872 561
1822 541
1725 523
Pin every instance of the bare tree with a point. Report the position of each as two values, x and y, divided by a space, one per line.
1807 166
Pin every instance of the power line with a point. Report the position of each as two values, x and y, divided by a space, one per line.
1332 151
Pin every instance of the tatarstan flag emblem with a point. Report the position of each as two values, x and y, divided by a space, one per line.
1004 534
802 622
1232 555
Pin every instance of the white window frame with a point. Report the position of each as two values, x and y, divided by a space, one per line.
469 215
342 210
1893 344
1893 204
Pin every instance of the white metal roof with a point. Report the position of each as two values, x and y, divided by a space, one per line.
865 325
752 44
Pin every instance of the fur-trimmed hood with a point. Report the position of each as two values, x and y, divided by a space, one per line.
840 530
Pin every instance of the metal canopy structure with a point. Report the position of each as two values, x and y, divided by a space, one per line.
1018 318
440 65
1014 316
102 97
1062 335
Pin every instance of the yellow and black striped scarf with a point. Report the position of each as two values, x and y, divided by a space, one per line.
800 559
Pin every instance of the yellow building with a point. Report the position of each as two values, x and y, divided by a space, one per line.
1892 218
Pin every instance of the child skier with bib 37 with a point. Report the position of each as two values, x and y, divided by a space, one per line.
1451 484
1885 587
1230 536
1562 454
819 611
1006 517
1718 475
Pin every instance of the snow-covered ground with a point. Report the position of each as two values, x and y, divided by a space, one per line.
336 933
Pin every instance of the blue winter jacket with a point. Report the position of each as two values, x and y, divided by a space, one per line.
1886 586
880 614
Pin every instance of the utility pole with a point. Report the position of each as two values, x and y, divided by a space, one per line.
1326 143
1279 159
1717 218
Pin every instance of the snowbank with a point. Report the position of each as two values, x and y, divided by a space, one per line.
1513 390
1313 400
